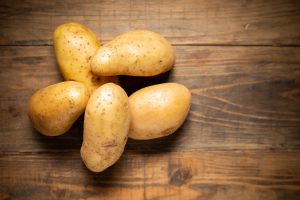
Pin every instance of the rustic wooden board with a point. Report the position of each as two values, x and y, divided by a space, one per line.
241 139
163 175
209 22
243 98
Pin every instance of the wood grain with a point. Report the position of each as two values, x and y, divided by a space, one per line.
165 175
240 141
243 98
206 22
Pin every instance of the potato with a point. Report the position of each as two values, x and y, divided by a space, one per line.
135 53
106 126
55 108
158 110
74 46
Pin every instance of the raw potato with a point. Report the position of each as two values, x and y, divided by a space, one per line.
106 126
74 46
158 110
135 53
55 108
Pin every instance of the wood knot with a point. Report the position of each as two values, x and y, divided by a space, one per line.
180 176
13 111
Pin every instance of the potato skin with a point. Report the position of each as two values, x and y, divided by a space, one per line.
74 46
54 109
106 126
135 53
158 110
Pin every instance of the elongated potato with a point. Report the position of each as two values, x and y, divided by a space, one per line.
135 53
106 126
74 46
55 108
158 110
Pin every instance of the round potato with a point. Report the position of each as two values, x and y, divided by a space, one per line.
158 110
135 53
106 126
55 108
74 46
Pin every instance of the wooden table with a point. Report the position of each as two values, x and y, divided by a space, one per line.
241 61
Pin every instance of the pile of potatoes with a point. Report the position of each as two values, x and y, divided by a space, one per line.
91 85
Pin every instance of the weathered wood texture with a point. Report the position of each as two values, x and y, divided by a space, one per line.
163 175
243 22
243 98
241 139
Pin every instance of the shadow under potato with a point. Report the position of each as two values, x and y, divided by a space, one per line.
68 142
133 83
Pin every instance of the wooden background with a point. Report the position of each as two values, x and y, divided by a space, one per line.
240 59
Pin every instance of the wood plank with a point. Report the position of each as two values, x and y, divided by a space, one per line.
243 98
164 175
234 22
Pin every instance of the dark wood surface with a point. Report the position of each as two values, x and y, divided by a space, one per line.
209 22
241 140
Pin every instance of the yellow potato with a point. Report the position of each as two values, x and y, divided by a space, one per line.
55 108
74 46
158 110
106 126
135 53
